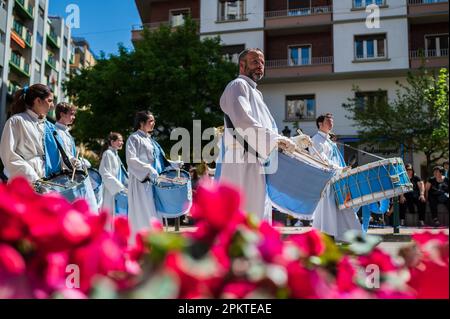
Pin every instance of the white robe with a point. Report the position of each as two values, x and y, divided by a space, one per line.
67 139
22 146
244 105
328 218
110 170
141 205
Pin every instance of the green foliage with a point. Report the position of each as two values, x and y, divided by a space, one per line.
171 72
416 118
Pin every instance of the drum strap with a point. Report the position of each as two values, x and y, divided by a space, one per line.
241 140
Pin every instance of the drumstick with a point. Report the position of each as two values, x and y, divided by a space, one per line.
74 169
179 169
314 149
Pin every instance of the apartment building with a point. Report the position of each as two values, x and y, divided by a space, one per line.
81 55
317 51
34 48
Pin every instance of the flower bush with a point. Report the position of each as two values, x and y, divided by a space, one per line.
50 248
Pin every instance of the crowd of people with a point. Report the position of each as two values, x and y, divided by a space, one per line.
33 147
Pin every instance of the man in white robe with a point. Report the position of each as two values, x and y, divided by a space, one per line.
243 104
328 218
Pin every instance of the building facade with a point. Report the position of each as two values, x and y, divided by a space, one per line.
34 48
318 51
81 55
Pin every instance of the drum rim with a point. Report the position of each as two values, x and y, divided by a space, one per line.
366 167
174 186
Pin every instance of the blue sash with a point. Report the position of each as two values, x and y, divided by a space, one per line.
52 156
159 157
337 157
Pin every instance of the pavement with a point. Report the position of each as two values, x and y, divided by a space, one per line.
387 233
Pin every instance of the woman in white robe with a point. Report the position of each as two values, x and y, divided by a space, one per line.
328 218
22 146
113 174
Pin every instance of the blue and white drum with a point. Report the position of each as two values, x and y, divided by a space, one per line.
295 183
173 193
97 185
371 183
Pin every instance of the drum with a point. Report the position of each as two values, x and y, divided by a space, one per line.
173 195
97 185
371 183
63 185
295 186
121 204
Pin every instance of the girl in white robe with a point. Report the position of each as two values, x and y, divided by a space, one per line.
24 147
113 174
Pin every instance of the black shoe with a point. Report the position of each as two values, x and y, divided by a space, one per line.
436 223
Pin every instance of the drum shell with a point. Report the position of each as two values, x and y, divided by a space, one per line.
97 185
71 191
172 201
121 204
371 183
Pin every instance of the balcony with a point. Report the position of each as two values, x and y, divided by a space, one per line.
428 58
19 65
427 8
53 39
286 69
51 62
21 35
136 32
24 9
294 18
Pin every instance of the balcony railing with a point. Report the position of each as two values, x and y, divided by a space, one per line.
54 39
18 63
13 88
23 32
270 64
299 12
414 2
155 25
418 54
25 8
52 62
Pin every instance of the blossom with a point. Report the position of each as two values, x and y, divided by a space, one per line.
310 243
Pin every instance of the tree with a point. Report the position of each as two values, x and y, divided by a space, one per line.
417 118
171 72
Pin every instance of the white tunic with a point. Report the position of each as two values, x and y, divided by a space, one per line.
244 105
67 139
141 205
328 218
110 170
22 146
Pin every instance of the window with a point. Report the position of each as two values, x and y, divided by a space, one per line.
41 12
2 37
231 10
300 107
4 4
365 3
38 67
39 38
300 55
65 41
177 17
231 52
370 100
436 45
370 47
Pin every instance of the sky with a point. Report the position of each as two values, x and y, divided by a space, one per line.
103 23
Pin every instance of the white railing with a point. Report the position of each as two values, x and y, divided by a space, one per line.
301 62
299 12
153 25
417 54
413 2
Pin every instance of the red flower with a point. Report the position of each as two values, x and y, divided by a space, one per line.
302 282
238 289
216 204
271 245
427 236
310 243
345 275
379 258
11 262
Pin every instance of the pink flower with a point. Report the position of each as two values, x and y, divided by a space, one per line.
380 258
271 245
238 289
302 282
310 243
427 236
345 275
11 262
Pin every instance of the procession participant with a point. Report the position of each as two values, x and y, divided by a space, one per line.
145 160
65 116
28 146
245 110
113 172
327 216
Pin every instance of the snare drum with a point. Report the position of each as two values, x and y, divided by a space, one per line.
295 186
121 204
371 183
173 195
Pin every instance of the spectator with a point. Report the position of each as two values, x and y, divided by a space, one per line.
436 191
414 199
446 169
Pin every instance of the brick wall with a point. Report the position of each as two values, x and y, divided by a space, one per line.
159 11
417 33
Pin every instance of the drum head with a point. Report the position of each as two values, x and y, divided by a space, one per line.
95 177
173 175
